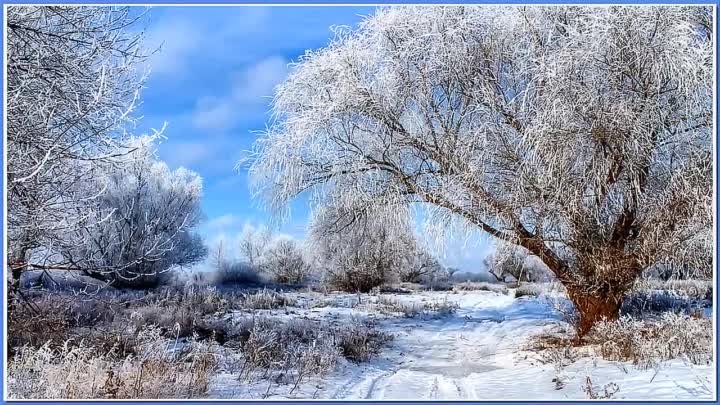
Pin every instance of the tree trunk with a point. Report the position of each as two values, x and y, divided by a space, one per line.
594 307
17 263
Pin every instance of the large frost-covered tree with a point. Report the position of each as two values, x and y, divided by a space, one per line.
582 134
141 225
74 75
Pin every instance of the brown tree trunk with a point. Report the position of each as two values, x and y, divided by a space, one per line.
594 307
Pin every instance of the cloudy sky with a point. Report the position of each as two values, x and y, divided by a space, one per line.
212 81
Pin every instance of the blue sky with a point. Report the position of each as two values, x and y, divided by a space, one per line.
212 81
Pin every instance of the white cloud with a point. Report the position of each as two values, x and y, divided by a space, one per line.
214 113
177 40
260 79
184 38
223 222
250 91
186 154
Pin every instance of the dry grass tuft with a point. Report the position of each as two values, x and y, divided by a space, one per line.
647 343
481 286
437 308
266 299
529 290
158 369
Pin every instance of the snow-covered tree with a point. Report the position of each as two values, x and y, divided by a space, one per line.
512 263
358 250
253 243
420 266
141 225
73 81
582 134
284 261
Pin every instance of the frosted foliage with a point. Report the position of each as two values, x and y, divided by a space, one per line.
283 260
583 134
360 250
73 84
142 224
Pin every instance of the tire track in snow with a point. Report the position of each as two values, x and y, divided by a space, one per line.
435 358
373 384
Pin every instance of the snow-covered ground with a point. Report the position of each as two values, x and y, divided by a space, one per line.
480 352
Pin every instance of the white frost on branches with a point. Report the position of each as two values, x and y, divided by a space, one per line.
582 134
141 225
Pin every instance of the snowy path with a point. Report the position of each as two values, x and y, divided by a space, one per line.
479 353
448 358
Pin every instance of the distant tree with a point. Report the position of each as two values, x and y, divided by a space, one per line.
507 265
360 250
284 261
512 263
253 243
420 266
582 134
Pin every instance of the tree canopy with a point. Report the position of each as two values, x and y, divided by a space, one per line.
582 134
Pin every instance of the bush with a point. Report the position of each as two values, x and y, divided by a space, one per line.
413 309
285 263
360 341
27 328
481 286
528 290
236 273
185 314
356 277
289 351
50 318
266 299
272 343
647 343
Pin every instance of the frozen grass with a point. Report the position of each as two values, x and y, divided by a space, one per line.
155 370
266 299
410 309
529 290
288 351
108 338
647 343
481 286
150 345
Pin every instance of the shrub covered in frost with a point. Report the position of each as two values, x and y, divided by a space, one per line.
529 290
411 309
481 286
649 342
